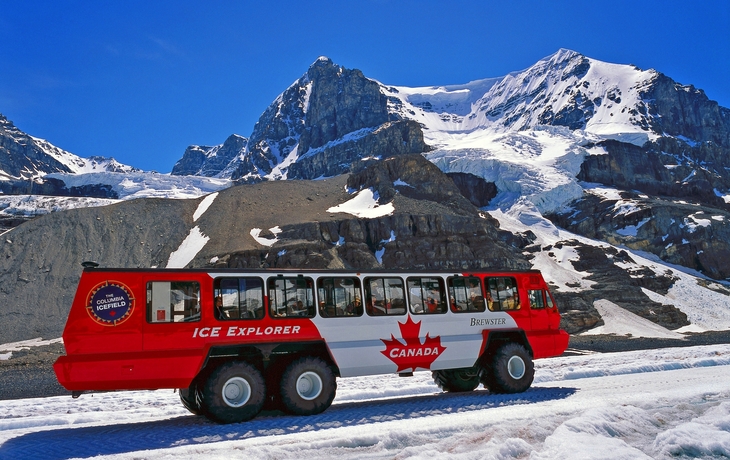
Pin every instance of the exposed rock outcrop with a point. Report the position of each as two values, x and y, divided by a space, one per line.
390 138
622 287
474 188
327 121
20 154
683 110
666 167
432 226
199 160
681 233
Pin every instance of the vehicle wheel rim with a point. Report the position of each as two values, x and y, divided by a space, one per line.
309 385
236 391
516 367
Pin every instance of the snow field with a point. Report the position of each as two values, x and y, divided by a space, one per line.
647 404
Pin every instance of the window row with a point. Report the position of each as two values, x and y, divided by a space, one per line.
243 297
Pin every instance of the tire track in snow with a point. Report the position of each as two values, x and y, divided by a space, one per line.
129 437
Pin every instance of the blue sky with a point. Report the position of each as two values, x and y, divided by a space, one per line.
142 80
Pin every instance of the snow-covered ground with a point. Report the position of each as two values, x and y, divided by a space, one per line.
664 403
127 185
139 184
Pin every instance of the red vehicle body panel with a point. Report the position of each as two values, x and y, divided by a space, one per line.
128 351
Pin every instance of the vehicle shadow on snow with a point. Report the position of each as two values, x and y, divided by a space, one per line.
192 430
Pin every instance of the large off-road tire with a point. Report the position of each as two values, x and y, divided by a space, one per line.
234 392
457 380
510 370
190 399
308 386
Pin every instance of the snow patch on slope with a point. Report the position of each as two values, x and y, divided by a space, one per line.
619 321
256 232
364 205
204 205
189 248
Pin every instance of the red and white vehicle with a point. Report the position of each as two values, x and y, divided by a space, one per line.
235 341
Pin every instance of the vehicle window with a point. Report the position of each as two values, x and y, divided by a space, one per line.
339 297
549 299
291 297
426 295
536 299
173 301
465 294
238 298
502 293
384 296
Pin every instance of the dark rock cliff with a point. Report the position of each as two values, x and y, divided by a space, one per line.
675 182
683 110
200 160
20 154
333 117
433 227
682 233
611 281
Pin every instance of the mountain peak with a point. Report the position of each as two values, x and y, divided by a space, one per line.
322 62
562 55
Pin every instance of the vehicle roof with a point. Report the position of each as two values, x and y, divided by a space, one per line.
269 271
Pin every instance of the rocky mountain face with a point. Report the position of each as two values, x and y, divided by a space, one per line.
25 160
321 126
688 234
672 183
214 161
685 111
608 152
21 155
432 226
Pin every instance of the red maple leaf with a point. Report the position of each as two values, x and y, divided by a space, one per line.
412 354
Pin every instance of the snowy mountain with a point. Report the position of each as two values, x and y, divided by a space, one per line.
565 89
612 180
318 127
549 136
216 161
24 157
36 178
593 100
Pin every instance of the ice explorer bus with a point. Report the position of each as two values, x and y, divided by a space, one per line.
236 341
